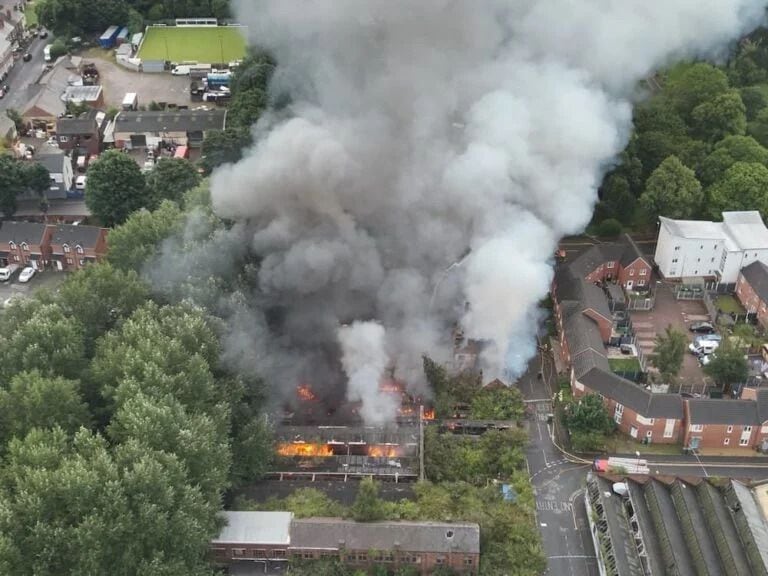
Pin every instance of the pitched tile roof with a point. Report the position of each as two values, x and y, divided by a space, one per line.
633 396
631 251
18 232
722 411
141 121
757 276
625 251
85 236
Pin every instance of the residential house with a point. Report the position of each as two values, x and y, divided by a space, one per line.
82 133
44 106
73 247
24 243
11 30
716 250
59 166
620 262
752 291
142 129
720 423
270 538
64 210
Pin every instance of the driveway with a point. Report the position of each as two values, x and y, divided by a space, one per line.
13 288
678 313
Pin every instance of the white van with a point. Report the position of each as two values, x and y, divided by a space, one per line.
7 272
47 52
703 348
181 70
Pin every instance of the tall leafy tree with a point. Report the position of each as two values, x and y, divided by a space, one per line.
498 403
171 178
672 191
689 85
588 415
12 183
115 188
368 507
224 147
744 186
669 352
37 178
726 153
728 366
724 115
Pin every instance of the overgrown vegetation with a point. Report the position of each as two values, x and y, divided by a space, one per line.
588 423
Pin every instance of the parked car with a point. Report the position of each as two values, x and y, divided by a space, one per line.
27 57
43 33
702 327
7 272
707 359
80 182
2 92
26 274
704 348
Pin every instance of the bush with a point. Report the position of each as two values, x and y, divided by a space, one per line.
609 228
58 48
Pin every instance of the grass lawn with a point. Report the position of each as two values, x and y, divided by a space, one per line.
729 304
624 364
31 15
201 44
620 444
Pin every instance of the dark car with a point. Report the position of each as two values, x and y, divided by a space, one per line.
43 34
27 57
702 328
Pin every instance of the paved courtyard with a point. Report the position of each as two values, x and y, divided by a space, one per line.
678 313
13 288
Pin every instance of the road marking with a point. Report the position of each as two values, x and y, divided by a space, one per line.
575 557
553 506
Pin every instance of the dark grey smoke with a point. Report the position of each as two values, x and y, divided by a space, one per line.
434 135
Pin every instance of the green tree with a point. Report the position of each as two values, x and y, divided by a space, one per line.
744 186
171 178
758 128
246 107
724 115
588 416
616 200
754 100
672 191
303 502
498 403
726 153
727 366
99 296
115 188
609 228
689 85
669 352
34 401
14 116
12 183
224 147
37 178
368 507
135 242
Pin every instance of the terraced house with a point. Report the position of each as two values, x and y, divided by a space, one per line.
678 527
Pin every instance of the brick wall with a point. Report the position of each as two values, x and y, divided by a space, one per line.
751 301
638 272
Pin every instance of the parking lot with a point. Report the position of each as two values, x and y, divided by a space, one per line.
13 288
678 313
117 81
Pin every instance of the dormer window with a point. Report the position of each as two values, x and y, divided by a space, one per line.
25 247
79 249
65 247
12 245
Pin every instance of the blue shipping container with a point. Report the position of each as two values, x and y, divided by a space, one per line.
107 40
220 79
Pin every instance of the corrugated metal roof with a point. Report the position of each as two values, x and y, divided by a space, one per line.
255 527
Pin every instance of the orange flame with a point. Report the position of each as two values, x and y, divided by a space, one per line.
303 449
304 392
391 386
383 451
429 413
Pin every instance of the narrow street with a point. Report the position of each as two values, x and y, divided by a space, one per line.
558 484
22 76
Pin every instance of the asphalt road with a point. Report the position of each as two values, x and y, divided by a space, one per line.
558 485
23 75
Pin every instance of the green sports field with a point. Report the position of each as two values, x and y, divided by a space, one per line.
201 44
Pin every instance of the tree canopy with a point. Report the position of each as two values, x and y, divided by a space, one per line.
115 188
171 178
672 191
744 186
669 352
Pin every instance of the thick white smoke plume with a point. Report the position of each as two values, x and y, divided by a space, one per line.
364 358
429 132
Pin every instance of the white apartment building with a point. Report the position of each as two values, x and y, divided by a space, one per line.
717 250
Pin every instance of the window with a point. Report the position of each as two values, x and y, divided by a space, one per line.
79 249
711 260
698 259
649 433
696 427
618 413
469 561
12 245
764 429
257 553
631 271
25 247
238 552
729 429
674 260
15 257
82 262
65 247
641 282
440 560
633 431
644 272
63 138
747 428
695 272
307 555
726 441
677 248
387 557
743 441
362 557
278 553
701 247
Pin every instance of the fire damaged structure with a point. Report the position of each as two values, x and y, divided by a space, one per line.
260 542
678 526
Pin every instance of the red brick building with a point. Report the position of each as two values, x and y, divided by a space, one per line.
622 262
269 539
24 244
74 247
752 290
720 423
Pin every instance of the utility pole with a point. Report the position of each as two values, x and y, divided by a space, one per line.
421 442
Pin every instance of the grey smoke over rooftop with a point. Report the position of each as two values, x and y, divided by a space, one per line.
425 131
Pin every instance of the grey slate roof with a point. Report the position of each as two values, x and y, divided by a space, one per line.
140 122
631 251
54 162
85 236
76 126
632 396
625 251
762 405
722 411
757 276
435 537
18 232
255 528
